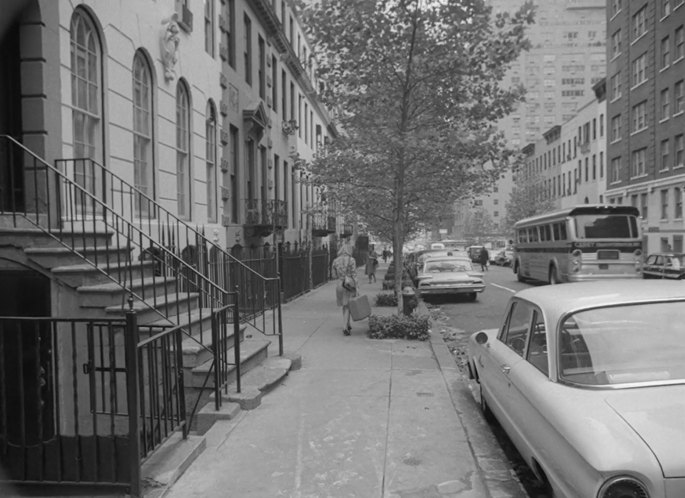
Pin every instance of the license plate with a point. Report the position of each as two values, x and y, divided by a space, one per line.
606 254
603 266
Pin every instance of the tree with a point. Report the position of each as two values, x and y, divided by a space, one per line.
526 199
414 86
479 223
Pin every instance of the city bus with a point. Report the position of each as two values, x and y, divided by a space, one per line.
587 242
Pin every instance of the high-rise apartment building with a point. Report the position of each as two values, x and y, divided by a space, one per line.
567 57
646 109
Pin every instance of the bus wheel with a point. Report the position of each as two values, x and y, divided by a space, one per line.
519 277
553 276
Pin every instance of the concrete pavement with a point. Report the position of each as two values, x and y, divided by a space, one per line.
361 418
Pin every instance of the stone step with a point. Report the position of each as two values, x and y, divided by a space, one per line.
107 294
51 257
254 385
165 306
86 274
252 353
197 353
168 463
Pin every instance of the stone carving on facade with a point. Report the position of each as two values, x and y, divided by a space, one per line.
170 41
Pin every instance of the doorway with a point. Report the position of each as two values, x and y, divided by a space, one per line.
11 170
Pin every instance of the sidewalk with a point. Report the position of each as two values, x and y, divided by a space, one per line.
362 418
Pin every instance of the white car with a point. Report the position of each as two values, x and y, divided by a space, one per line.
588 381
449 275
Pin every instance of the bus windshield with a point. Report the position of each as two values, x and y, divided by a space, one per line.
605 226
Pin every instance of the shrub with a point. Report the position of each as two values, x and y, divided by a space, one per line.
386 299
415 327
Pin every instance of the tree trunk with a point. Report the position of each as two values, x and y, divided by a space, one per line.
398 235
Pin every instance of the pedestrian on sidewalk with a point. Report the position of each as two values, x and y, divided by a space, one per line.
345 268
483 259
372 264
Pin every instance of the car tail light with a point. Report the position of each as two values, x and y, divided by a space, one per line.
637 254
576 261
623 487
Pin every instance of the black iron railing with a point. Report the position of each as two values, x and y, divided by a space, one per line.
69 398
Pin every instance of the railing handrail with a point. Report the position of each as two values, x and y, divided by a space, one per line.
130 226
158 207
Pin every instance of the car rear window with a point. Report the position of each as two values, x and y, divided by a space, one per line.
627 344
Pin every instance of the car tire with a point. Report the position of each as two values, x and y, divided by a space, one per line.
554 276
487 413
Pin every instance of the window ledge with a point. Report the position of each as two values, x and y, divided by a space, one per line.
642 35
676 61
639 84
678 166
638 131
615 141
664 68
664 120
679 113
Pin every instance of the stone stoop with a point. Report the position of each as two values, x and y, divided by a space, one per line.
168 463
254 384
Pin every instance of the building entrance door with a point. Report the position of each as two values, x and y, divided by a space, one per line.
11 171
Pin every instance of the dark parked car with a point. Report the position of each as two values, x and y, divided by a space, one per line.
664 265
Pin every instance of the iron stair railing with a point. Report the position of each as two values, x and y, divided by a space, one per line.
168 284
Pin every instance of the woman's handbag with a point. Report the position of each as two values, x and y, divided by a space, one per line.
349 284
360 308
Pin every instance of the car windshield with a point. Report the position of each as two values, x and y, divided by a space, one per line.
447 266
625 344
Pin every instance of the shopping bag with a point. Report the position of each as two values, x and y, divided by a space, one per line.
360 308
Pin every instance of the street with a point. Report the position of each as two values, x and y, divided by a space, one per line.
457 318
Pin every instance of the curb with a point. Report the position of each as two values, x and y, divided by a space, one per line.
497 478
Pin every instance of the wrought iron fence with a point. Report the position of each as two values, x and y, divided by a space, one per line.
69 395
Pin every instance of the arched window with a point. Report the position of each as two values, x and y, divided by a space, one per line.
183 174
143 159
86 98
210 131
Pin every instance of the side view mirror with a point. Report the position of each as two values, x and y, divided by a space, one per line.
481 338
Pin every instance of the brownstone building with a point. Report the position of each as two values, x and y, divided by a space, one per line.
645 115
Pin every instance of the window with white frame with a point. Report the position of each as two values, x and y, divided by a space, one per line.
664 204
616 6
665 7
639 116
640 69
678 151
640 23
616 41
679 43
209 27
615 170
210 161
143 166
638 163
86 98
677 203
665 156
665 104
665 52
616 128
183 175
679 97
616 86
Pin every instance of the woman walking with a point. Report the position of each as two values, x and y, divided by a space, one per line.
371 264
345 270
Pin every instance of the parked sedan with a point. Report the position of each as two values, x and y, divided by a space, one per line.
588 381
449 275
503 258
664 265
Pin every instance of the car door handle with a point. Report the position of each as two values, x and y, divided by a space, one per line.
505 369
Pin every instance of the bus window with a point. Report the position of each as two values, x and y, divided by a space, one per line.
559 231
604 226
545 233
533 234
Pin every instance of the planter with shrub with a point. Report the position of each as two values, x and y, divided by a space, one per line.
386 299
415 327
